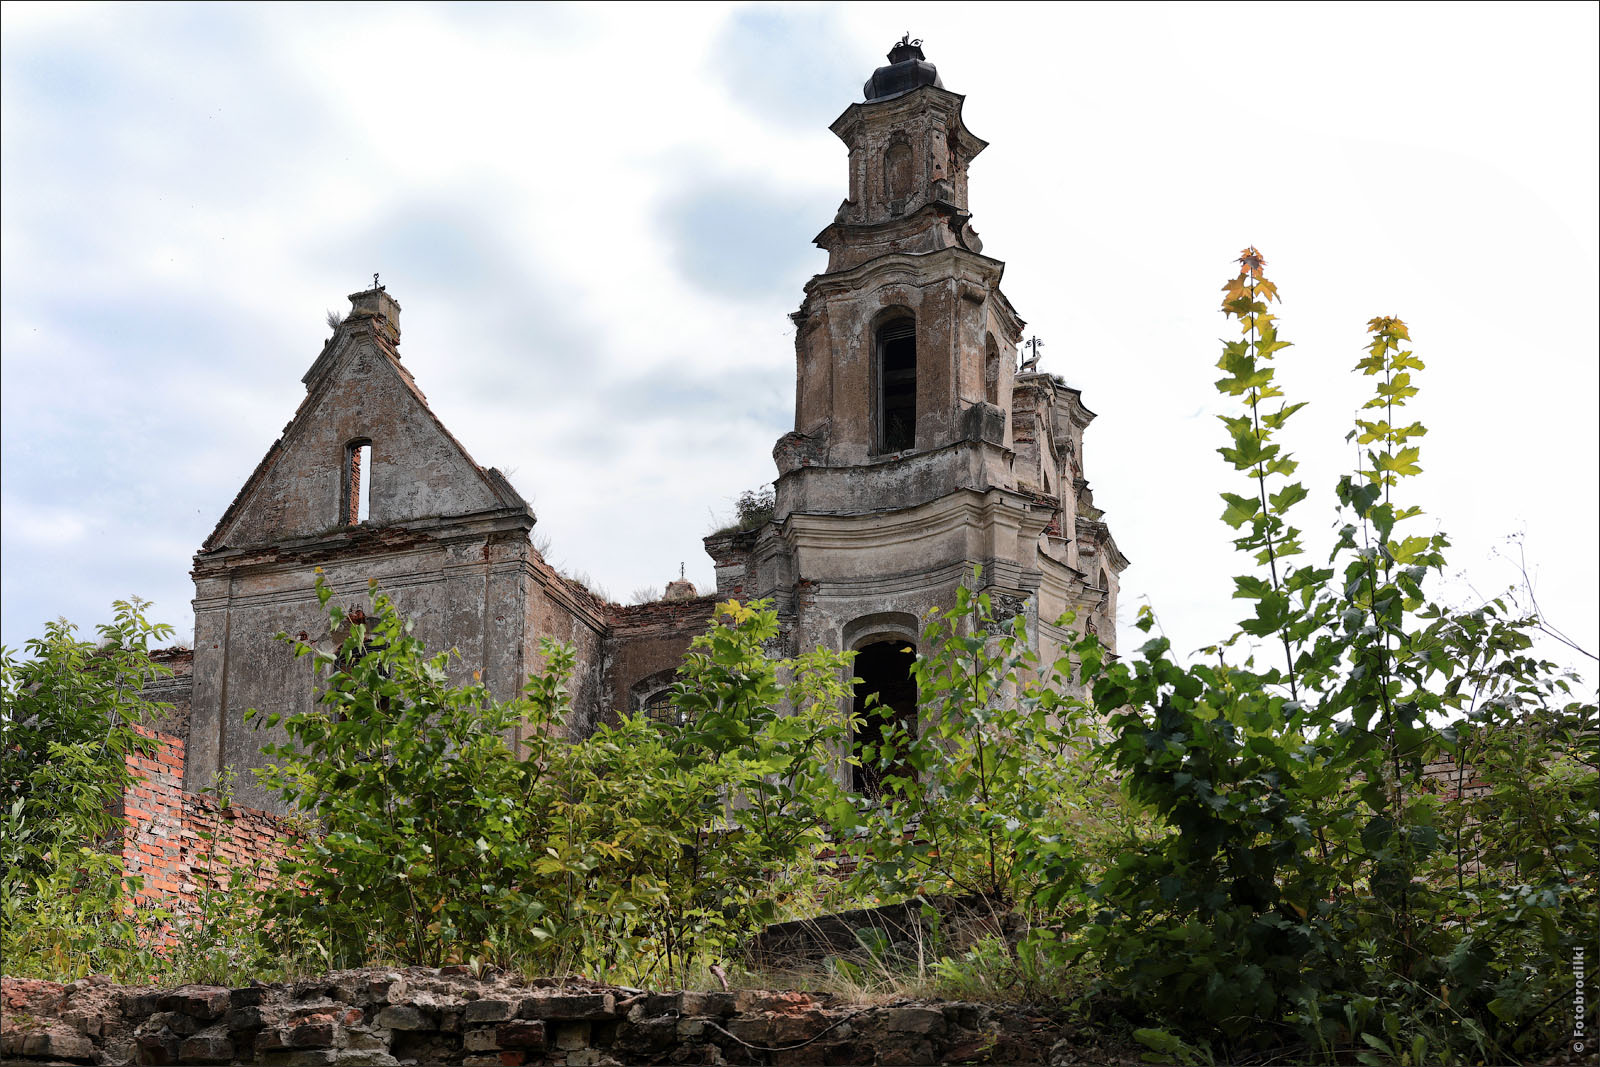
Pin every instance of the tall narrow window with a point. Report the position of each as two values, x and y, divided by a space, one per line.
884 668
991 370
357 487
897 385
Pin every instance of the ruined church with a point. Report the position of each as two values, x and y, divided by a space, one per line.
920 451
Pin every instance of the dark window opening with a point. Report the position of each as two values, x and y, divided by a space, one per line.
884 668
991 371
897 386
357 487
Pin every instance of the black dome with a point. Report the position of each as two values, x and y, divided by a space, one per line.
908 69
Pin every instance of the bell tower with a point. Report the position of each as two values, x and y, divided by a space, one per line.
905 341
920 451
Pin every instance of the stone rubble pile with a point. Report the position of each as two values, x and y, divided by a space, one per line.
424 1016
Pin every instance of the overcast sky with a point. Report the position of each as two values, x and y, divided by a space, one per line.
598 218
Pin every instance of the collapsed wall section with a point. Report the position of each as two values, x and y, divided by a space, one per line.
449 1017
645 644
175 841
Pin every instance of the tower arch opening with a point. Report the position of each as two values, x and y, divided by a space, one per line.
886 706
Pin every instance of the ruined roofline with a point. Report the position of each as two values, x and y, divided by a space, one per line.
1081 413
578 596
384 335
296 551
661 612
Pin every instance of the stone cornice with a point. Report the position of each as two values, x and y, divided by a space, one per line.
922 98
912 268
919 219
962 509
347 542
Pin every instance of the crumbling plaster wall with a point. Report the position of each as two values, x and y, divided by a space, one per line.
358 391
565 611
951 295
461 592
446 539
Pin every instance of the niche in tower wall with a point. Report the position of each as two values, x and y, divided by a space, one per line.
884 668
897 174
897 385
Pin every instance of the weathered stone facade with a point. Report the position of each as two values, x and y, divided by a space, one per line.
446 538
920 453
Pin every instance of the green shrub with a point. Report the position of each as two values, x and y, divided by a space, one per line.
991 794
67 727
637 850
1307 885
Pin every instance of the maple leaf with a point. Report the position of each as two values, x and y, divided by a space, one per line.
1235 289
1252 262
1389 326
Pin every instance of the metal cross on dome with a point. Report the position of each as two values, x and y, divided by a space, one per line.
1031 346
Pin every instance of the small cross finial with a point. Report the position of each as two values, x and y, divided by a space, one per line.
376 287
1031 346
680 572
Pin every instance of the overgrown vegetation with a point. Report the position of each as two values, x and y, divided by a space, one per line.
1306 885
634 851
67 717
752 510
1239 858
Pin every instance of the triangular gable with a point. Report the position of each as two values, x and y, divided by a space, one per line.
358 391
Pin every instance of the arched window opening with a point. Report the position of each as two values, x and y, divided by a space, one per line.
357 488
897 172
658 709
897 385
884 668
991 371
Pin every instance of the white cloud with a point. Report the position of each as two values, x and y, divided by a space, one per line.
186 189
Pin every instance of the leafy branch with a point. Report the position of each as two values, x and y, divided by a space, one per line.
1248 364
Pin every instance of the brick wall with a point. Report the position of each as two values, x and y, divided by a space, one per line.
648 641
1453 781
447 1017
173 840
